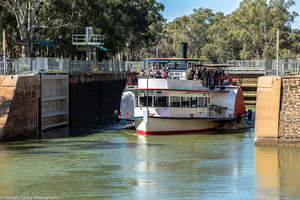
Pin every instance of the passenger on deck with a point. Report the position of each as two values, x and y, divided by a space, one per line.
196 76
204 77
164 73
157 73
209 78
142 73
190 74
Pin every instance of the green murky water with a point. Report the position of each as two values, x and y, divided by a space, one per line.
124 165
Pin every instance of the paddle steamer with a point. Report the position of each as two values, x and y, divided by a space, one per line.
172 104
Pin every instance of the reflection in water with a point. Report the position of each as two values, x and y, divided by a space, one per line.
266 160
124 165
278 172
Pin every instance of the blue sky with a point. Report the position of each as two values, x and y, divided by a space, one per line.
178 8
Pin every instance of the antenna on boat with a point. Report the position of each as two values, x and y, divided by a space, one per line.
147 87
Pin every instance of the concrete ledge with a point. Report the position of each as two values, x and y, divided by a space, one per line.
18 107
267 109
266 141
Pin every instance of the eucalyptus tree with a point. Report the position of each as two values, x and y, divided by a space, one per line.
192 29
177 32
255 23
27 14
11 32
220 44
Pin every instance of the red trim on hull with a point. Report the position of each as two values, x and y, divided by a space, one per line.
171 132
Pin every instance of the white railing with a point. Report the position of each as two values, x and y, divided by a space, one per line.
57 65
5 67
248 63
83 39
2 68
104 67
40 65
285 67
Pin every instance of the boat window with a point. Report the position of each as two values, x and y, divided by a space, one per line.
185 102
171 65
181 65
206 101
194 102
162 65
200 102
143 101
174 101
137 102
161 101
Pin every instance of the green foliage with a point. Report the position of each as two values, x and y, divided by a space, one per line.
135 29
127 25
247 33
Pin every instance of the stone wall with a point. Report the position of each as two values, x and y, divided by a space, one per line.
278 111
289 122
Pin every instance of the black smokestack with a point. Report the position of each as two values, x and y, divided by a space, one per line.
183 50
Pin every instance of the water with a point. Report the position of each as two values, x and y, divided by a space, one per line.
112 164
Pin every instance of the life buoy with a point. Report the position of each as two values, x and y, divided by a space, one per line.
151 114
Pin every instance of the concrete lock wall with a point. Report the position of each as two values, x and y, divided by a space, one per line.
18 107
278 110
92 97
267 109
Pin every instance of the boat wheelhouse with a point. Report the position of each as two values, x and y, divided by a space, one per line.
173 104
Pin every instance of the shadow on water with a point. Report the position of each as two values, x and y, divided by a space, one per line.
74 145
80 140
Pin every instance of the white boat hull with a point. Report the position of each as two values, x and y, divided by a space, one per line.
164 126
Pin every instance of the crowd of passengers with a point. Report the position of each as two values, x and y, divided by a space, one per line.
156 73
208 77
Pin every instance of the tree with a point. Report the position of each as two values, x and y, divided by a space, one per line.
255 24
11 31
27 14
222 44
247 33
